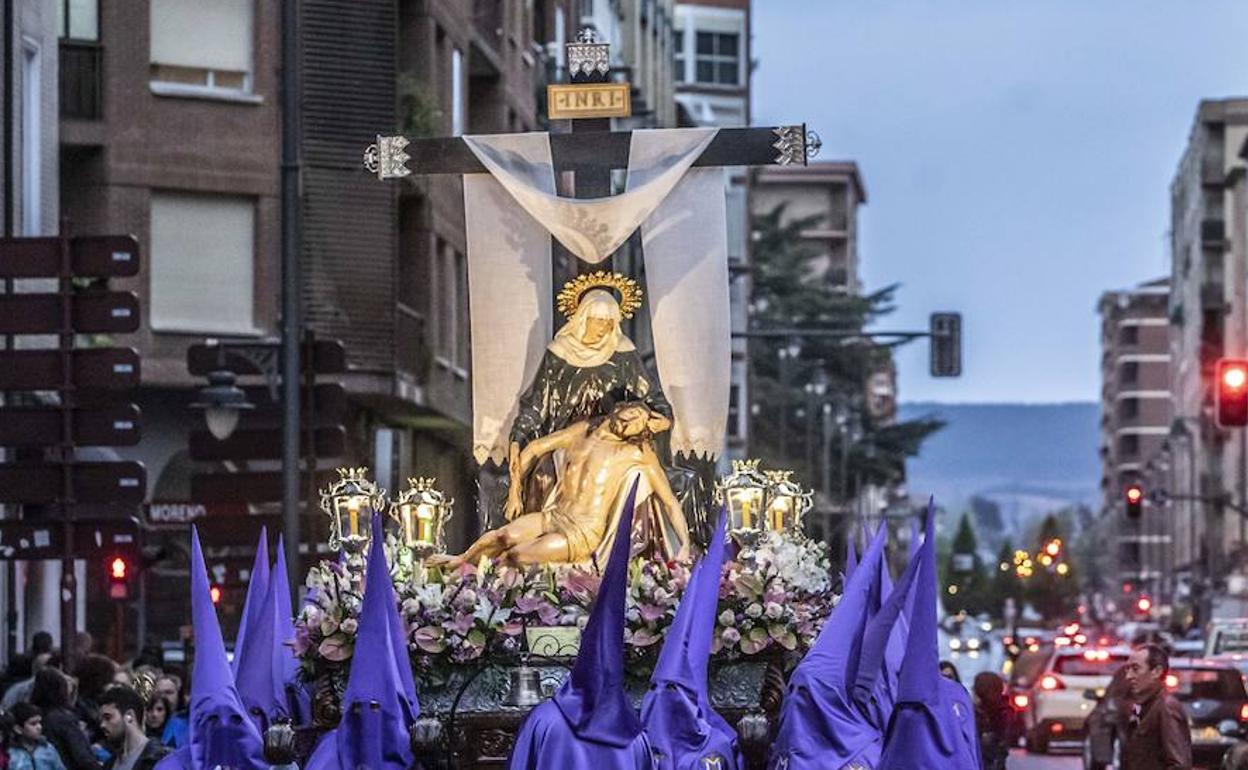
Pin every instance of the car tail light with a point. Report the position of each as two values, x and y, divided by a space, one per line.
1051 682
1056 727
1172 682
1021 702
1243 713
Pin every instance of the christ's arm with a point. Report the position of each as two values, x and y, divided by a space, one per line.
534 451
663 490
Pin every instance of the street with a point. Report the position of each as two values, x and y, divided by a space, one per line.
1021 760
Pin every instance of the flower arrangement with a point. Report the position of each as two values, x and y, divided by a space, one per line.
774 597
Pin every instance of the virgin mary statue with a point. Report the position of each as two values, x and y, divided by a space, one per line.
590 366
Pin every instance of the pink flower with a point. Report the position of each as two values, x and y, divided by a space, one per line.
644 637
730 636
461 624
336 648
430 639
650 613
513 628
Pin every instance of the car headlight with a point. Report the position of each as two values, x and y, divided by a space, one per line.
972 644
955 644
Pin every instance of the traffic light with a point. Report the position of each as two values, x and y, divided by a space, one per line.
1232 392
214 592
118 574
1135 500
1143 605
945 330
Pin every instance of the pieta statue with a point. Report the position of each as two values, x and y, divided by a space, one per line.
585 427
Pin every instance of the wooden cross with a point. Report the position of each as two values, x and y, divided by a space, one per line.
592 150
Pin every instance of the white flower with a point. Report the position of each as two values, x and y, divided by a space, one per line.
350 626
754 610
727 618
773 611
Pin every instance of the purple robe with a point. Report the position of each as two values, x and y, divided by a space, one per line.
685 732
933 724
590 722
378 706
821 726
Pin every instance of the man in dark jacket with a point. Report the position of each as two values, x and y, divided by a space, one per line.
1158 735
121 721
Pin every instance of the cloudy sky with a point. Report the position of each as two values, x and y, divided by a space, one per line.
1017 157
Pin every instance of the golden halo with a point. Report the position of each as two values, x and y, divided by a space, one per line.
630 293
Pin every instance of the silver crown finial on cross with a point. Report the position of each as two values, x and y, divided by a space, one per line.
587 56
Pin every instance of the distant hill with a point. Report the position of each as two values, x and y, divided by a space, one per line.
1029 458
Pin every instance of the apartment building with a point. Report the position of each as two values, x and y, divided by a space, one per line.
1136 418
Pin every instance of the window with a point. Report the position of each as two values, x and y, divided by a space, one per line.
458 100
203 263
201 48
1129 335
1128 445
450 318
1128 408
734 411
718 60
1129 373
32 141
78 19
678 52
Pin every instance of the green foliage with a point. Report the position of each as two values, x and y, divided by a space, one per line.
1050 593
418 113
965 585
791 290
1005 583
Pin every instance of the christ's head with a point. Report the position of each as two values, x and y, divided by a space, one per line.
630 421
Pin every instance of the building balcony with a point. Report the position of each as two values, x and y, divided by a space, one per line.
81 80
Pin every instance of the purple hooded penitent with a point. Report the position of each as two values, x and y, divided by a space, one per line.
257 586
883 649
685 732
820 724
377 709
220 733
933 724
590 722
262 670
286 666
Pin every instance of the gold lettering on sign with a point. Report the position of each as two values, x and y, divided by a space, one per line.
588 100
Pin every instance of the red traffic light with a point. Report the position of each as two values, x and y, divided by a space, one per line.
1144 604
118 570
1134 495
215 594
1231 392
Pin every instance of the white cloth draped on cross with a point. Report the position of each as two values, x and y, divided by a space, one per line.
681 213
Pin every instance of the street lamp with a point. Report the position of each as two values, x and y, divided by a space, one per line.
222 403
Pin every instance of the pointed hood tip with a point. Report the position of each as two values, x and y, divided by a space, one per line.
919 674
687 647
257 592
592 698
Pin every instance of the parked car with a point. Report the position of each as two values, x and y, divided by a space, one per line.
1066 692
1212 693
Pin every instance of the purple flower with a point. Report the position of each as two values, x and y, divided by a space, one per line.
730 636
461 624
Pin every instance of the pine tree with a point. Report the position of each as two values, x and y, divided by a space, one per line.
790 290
965 584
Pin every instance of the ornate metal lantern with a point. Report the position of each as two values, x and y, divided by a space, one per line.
744 492
350 502
422 512
787 502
